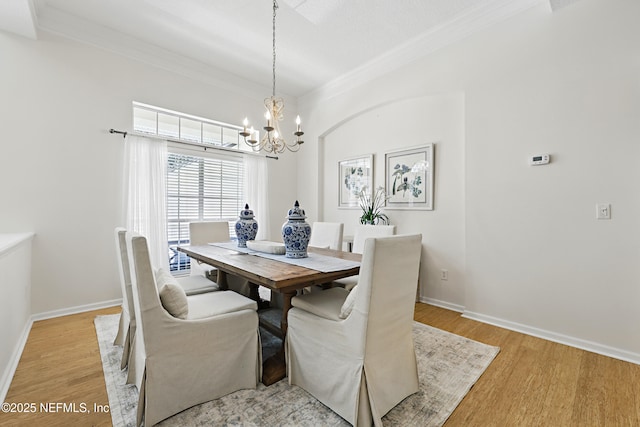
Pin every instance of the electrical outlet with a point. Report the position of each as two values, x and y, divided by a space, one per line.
444 274
603 211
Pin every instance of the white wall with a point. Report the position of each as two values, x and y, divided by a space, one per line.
535 258
416 121
15 302
62 170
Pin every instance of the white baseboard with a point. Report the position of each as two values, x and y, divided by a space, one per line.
75 310
442 304
591 346
10 370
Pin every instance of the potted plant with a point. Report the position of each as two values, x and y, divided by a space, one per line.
372 205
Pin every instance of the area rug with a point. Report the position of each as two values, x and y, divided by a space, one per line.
448 366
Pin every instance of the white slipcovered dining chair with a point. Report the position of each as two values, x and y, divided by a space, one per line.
127 326
208 348
365 231
361 234
201 233
205 232
327 235
354 351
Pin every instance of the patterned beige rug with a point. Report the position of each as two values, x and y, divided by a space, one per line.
448 366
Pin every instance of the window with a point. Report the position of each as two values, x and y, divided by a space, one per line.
202 184
200 189
155 121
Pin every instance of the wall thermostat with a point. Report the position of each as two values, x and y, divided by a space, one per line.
540 159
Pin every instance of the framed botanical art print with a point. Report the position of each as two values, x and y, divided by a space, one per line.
354 175
409 178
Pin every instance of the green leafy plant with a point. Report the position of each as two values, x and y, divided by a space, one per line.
372 205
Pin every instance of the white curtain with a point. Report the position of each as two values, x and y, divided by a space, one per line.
145 202
256 183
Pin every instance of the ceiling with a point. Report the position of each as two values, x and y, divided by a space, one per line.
318 42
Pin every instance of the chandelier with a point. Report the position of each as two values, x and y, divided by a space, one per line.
272 141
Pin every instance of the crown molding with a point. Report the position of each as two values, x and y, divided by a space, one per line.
421 46
67 26
18 17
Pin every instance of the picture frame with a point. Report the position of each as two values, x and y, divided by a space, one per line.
354 175
409 178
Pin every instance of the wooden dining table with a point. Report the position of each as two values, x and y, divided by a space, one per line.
278 276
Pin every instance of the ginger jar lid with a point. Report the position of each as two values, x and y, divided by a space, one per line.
246 213
296 212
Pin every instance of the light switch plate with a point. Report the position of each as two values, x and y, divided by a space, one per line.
603 211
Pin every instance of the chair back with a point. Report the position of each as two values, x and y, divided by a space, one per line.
203 232
387 291
125 276
327 235
148 308
363 232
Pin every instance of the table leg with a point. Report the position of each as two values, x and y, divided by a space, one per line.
274 368
222 282
286 306
253 292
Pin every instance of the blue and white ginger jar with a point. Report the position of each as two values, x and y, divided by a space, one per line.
246 227
296 233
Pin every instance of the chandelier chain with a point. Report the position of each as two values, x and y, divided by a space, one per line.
275 8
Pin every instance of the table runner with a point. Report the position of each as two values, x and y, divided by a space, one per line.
323 263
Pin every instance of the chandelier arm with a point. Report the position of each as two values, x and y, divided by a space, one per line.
271 144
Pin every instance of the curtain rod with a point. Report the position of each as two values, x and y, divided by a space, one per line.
124 135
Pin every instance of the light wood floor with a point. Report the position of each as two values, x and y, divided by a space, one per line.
532 382
60 364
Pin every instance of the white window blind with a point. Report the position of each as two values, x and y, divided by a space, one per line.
200 189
